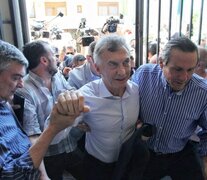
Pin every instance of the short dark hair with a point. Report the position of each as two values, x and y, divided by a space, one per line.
33 51
182 43
79 57
152 48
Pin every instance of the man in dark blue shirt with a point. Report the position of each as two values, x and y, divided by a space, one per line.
173 99
18 159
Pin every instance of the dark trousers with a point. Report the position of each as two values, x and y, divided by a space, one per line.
183 165
132 161
95 169
71 162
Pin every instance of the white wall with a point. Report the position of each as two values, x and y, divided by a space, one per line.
5 19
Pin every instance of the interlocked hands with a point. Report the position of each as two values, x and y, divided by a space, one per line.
69 106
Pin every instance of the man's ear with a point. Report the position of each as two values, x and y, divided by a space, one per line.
88 57
97 68
161 63
43 60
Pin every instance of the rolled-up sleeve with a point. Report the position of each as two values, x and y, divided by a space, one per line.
17 168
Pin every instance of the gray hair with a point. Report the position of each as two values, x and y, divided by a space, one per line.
8 54
110 43
182 43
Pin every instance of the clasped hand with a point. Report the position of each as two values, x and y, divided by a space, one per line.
70 104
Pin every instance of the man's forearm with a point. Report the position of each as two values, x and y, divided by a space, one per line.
69 106
39 148
42 169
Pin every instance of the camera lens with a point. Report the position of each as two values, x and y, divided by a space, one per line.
112 28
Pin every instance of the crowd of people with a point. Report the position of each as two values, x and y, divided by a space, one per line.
78 113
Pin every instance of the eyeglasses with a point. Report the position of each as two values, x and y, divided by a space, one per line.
70 53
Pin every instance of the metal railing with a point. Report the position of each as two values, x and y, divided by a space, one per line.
178 17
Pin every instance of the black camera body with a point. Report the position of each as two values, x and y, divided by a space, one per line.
38 29
112 25
87 40
84 34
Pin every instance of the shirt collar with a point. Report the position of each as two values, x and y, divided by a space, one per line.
104 92
36 78
39 79
2 102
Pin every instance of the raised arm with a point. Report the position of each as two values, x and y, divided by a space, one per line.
69 106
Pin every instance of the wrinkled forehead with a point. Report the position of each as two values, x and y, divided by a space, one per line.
183 59
13 67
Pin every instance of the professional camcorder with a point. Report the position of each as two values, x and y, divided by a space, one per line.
110 25
85 34
39 29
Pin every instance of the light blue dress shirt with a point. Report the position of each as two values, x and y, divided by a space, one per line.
38 105
81 75
111 119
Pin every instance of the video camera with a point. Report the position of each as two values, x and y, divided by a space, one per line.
86 34
110 25
87 40
39 29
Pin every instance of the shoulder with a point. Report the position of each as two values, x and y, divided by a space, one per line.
132 85
146 71
59 77
76 73
199 82
149 68
28 86
91 87
79 70
60 82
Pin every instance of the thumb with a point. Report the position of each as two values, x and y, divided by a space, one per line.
86 109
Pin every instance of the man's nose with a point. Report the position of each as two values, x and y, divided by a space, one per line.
121 70
185 76
20 83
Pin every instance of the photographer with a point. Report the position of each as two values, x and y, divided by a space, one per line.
110 25
85 35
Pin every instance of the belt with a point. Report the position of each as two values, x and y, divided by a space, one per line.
93 159
189 147
162 155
